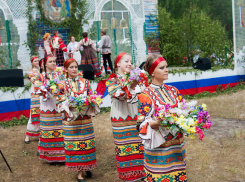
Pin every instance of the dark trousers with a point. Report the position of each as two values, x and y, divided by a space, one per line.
105 58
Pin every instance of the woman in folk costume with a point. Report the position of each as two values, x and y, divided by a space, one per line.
78 130
33 125
58 48
164 157
51 142
71 48
128 147
88 56
47 45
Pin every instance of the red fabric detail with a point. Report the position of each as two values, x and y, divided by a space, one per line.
33 134
9 115
52 159
135 118
67 61
113 75
128 118
212 89
79 152
52 140
144 129
154 65
130 157
45 60
33 59
125 89
101 87
119 57
35 122
40 62
120 119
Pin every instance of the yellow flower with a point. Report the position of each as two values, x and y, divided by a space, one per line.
57 69
98 100
53 88
192 136
204 107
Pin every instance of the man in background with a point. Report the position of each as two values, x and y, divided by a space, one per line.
105 48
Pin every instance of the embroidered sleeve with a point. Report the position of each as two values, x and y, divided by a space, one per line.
144 108
61 92
89 89
35 79
177 93
62 45
117 91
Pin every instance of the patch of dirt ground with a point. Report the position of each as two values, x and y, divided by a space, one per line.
220 157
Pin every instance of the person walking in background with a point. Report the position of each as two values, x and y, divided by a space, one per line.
47 45
33 125
128 147
58 48
105 48
88 56
71 49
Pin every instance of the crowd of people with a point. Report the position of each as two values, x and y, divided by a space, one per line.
144 150
55 46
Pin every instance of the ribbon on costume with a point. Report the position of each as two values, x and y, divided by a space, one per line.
33 59
119 57
154 65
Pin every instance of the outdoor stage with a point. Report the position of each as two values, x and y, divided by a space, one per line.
16 104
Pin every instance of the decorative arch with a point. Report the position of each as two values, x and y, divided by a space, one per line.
97 14
8 15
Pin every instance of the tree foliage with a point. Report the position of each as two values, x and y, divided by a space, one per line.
203 34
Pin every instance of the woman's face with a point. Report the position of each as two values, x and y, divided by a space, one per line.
72 70
73 39
49 37
125 64
161 72
35 63
51 64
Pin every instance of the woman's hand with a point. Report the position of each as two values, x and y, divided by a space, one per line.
155 124
134 84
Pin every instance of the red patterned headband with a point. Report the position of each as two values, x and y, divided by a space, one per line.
154 65
33 59
40 62
45 60
68 61
119 57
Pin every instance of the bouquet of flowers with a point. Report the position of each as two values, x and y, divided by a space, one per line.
81 103
186 118
137 74
94 99
51 85
60 70
80 74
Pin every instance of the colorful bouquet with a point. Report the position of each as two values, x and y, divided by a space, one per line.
137 74
60 70
80 74
81 103
94 99
186 118
51 85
